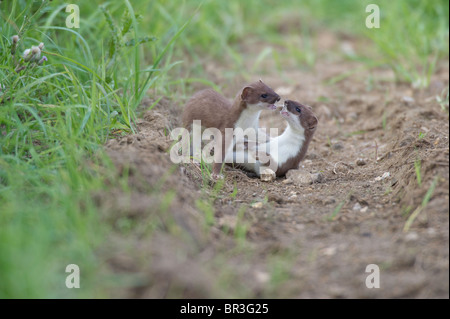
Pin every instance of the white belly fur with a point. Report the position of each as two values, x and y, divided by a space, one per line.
281 149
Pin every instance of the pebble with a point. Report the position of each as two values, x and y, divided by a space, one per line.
337 146
268 175
408 99
262 277
300 177
411 236
431 232
329 251
361 162
317 178
257 205
384 176
351 117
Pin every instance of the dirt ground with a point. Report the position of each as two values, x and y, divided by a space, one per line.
302 241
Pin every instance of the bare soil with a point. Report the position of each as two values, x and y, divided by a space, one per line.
302 241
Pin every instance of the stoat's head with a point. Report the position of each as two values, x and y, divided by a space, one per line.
259 96
299 116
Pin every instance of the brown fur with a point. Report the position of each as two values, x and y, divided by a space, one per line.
309 122
215 111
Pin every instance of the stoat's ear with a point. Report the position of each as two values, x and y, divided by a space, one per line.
245 93
312 123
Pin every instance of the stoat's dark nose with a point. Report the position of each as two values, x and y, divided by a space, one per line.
279 98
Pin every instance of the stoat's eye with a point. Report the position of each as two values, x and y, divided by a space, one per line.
298 110
264 96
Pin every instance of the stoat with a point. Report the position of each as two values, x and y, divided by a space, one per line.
286 150
215 111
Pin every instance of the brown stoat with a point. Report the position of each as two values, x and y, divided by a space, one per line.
291 145
215 111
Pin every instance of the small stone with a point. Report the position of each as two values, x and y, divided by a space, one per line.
317 178
228 221
300 177
351 117
275 198
431 232
287 181
329 251
411 236
436 142
384 176
337 146
262 277
408 100
257 205
357 207
267 175
361 162
364 209
347 49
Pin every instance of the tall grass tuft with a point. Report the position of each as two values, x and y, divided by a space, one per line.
54 116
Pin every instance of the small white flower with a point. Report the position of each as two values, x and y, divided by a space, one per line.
32 54
41 46
35 50
27 54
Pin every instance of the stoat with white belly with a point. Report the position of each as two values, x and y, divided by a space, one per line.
215 111
286 150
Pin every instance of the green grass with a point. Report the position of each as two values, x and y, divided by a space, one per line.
422 206
336 211
443 100
55 117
